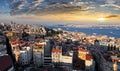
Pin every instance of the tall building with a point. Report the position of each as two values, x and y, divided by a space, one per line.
83 60
89 63
78 64
57 55
109 61
5 47
42 53
38 54
25 55
47 53
4 43
15 49
22 51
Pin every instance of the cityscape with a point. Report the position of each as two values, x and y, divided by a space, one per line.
59 35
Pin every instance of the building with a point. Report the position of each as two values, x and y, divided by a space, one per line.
5 47
49 69
15 48
104 44
22 51
38 54
77 63
47 53
6 63
57 55
109 61
25 55
42 53
89 63
96 42
83 60
4 43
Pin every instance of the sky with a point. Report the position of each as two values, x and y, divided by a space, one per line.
60 10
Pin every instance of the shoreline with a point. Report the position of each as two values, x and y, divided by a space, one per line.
110 32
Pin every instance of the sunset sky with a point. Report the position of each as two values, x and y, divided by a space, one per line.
60 10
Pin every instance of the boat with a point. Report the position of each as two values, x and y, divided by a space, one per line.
111 32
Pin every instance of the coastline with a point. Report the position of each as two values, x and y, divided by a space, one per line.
110 32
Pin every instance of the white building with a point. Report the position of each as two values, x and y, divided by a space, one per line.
104 45
38 54
42 53
25 55
57 55
89 63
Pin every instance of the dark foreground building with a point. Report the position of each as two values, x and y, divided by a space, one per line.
6 54
6 63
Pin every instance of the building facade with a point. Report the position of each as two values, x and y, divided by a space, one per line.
57 55
109 61
25 56
38 54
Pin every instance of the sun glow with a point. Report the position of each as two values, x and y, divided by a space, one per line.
101 19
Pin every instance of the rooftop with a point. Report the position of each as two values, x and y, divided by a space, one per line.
57 49
40 44
110 56
5 62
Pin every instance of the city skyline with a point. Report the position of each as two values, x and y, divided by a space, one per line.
59 35
30 47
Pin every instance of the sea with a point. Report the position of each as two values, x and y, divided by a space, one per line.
110 32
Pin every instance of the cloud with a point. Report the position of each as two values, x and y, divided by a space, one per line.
47 6
112 16
20 6
110 1
65 10
117 9
4 12
107 5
